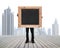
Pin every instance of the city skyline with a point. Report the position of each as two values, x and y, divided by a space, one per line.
44 33
43 29
50 10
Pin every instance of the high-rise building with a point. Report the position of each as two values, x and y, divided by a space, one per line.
19 31
39 30
7 22
55 28
49 31
43 31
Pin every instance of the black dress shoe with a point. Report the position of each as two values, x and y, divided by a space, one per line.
33 41
27 42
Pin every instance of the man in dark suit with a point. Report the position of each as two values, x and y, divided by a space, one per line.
32 35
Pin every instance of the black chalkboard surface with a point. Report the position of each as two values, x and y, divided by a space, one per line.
30 16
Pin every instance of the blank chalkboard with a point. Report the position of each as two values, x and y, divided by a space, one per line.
30 16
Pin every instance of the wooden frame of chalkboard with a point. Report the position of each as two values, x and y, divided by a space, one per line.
29 7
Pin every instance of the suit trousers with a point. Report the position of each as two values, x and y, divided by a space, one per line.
32 34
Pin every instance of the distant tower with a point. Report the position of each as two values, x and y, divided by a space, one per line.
19 31
39 31
55 28
49 31
7 22
43 31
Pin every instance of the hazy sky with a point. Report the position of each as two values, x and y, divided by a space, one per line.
50 10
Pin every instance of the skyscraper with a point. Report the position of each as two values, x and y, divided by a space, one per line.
55 28
7 22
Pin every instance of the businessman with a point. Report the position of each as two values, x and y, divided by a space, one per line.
32 35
